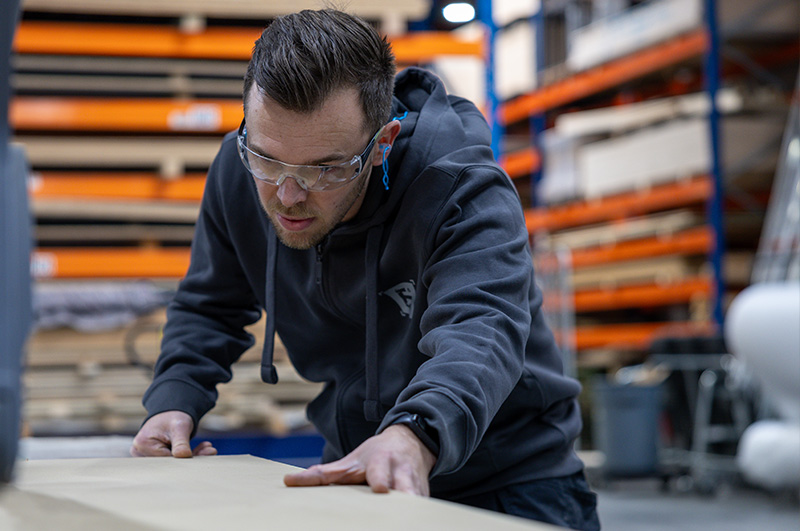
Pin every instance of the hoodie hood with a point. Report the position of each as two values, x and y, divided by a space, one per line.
434 125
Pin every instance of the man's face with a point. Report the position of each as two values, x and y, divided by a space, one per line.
333 134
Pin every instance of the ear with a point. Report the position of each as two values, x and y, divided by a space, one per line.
386 140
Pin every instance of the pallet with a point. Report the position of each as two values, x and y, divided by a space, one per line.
108 399
86 383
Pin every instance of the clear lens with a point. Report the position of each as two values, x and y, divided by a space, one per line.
309 177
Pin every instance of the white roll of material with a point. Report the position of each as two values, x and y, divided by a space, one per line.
762 329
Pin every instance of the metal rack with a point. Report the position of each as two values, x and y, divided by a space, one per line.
700 49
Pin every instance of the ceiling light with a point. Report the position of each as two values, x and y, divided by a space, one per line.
458 12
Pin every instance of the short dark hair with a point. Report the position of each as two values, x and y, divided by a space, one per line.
301 58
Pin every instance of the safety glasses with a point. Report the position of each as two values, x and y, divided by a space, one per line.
311 178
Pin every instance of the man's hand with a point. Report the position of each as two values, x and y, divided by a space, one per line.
167 434
395 459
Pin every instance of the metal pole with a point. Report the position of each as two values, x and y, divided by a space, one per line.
15 296
485 16
712 81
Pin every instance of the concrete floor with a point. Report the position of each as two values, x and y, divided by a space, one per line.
643 505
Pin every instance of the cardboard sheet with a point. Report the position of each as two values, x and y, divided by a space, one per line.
220 492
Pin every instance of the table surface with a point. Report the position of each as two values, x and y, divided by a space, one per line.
220 492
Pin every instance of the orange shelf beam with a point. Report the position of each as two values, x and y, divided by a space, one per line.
604 77
636 336
521 163
643 296
693 241
424 46
620 206
123 262
153 115
75 38
132 186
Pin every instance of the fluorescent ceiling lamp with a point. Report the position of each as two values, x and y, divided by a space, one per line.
458 12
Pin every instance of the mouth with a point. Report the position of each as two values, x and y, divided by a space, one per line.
294 224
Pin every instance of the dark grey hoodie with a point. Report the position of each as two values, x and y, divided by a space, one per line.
424 303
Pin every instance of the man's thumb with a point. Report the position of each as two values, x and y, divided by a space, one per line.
181 446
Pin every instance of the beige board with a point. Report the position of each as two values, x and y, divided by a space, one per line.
136 232
221 492
104 85
657 271
628 229
135 66
170 155
412 9
116 210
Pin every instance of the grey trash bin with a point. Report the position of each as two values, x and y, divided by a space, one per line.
626 427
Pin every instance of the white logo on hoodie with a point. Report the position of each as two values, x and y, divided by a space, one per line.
403 294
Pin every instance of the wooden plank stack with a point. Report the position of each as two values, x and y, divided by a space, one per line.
79 382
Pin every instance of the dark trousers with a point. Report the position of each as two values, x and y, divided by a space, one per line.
566 502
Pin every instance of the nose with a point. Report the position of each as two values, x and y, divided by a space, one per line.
290 192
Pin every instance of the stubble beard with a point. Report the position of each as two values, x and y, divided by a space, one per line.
320 228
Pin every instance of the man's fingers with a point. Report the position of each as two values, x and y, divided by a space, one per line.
342 471
149 447
379 476
403 481
306 478
204 448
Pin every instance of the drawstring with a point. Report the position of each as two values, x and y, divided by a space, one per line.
268 372
373 412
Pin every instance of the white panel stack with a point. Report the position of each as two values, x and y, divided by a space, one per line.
515 61
507 11
655 155
631 30
669 151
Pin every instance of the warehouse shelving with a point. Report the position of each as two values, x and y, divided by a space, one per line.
113 262
641 73
129 40
661 197
119 177
121 116
692 241
130 115
119 185
604 77
643 296
633 336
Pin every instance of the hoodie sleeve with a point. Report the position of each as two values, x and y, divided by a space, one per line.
478 314
204 333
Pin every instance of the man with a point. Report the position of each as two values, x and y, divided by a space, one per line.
393 261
